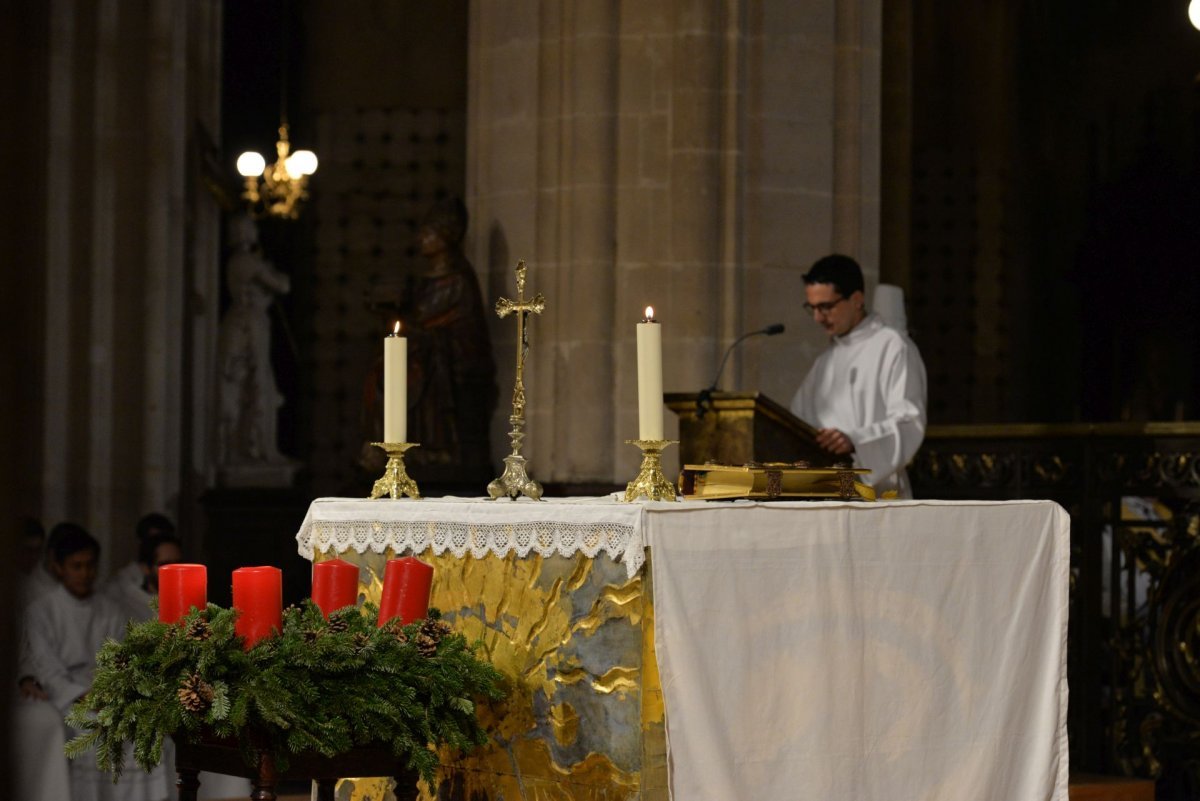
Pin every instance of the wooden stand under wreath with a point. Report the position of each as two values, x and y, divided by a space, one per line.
226 757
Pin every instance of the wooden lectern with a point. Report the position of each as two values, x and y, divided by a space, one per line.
739 427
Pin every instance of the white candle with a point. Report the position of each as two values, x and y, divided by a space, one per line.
395 386
650 391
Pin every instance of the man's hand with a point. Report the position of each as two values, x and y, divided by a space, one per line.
834 441
31 689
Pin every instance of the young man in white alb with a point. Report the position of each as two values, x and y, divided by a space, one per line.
866 391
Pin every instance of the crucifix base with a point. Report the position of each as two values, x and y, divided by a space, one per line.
514 481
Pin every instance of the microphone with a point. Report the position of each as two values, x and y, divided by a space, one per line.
704 399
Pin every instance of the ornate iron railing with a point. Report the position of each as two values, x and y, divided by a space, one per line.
1133 493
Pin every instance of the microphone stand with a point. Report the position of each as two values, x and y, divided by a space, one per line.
704 399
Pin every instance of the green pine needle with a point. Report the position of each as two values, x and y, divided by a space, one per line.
312 688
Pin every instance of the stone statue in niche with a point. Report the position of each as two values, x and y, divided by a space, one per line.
451 370
249 400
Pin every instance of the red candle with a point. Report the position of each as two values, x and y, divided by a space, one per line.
181 587
334 585
258 596
405 590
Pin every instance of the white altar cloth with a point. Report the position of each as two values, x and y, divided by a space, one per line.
477 526
907 651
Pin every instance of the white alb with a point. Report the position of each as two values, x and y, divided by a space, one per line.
870 384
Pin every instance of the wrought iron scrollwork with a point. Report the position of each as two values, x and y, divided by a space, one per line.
1175 624
964 470
1156 692
1152 470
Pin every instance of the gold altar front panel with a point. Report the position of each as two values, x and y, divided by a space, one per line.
575 638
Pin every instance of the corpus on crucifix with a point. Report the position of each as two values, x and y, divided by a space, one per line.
514 481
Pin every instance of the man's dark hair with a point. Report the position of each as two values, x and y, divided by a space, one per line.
149 546
70 538
154 522
841 271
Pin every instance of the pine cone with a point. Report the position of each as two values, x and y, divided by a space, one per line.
426 645
361 640
311 636
396 630
195 694
440 626
198 629
338 624
435 629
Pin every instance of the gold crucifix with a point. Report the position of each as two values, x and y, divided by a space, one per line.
514 481
520 307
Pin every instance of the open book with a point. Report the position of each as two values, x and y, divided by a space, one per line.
772 480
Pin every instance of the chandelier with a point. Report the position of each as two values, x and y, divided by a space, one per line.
278 189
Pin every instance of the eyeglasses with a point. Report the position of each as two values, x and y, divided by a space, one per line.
823 308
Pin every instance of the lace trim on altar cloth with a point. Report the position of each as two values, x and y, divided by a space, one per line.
620 541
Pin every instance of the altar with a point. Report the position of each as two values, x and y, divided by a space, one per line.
829 650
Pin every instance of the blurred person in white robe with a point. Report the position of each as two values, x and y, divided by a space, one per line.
132 573
156 549
33 565
866 392
64 629
41 771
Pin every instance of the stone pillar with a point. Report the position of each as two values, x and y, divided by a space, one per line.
130 233
696 155
812 184
542 121
679 202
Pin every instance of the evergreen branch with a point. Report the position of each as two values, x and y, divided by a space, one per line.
322 686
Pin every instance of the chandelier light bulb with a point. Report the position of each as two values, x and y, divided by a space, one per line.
292 168
1194 13
251 164
301 162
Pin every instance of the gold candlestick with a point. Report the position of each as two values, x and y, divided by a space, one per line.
514 481
395 483
650 482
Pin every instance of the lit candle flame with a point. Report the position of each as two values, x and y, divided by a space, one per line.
649 313
396 330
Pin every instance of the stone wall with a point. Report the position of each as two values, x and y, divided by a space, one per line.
693 155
